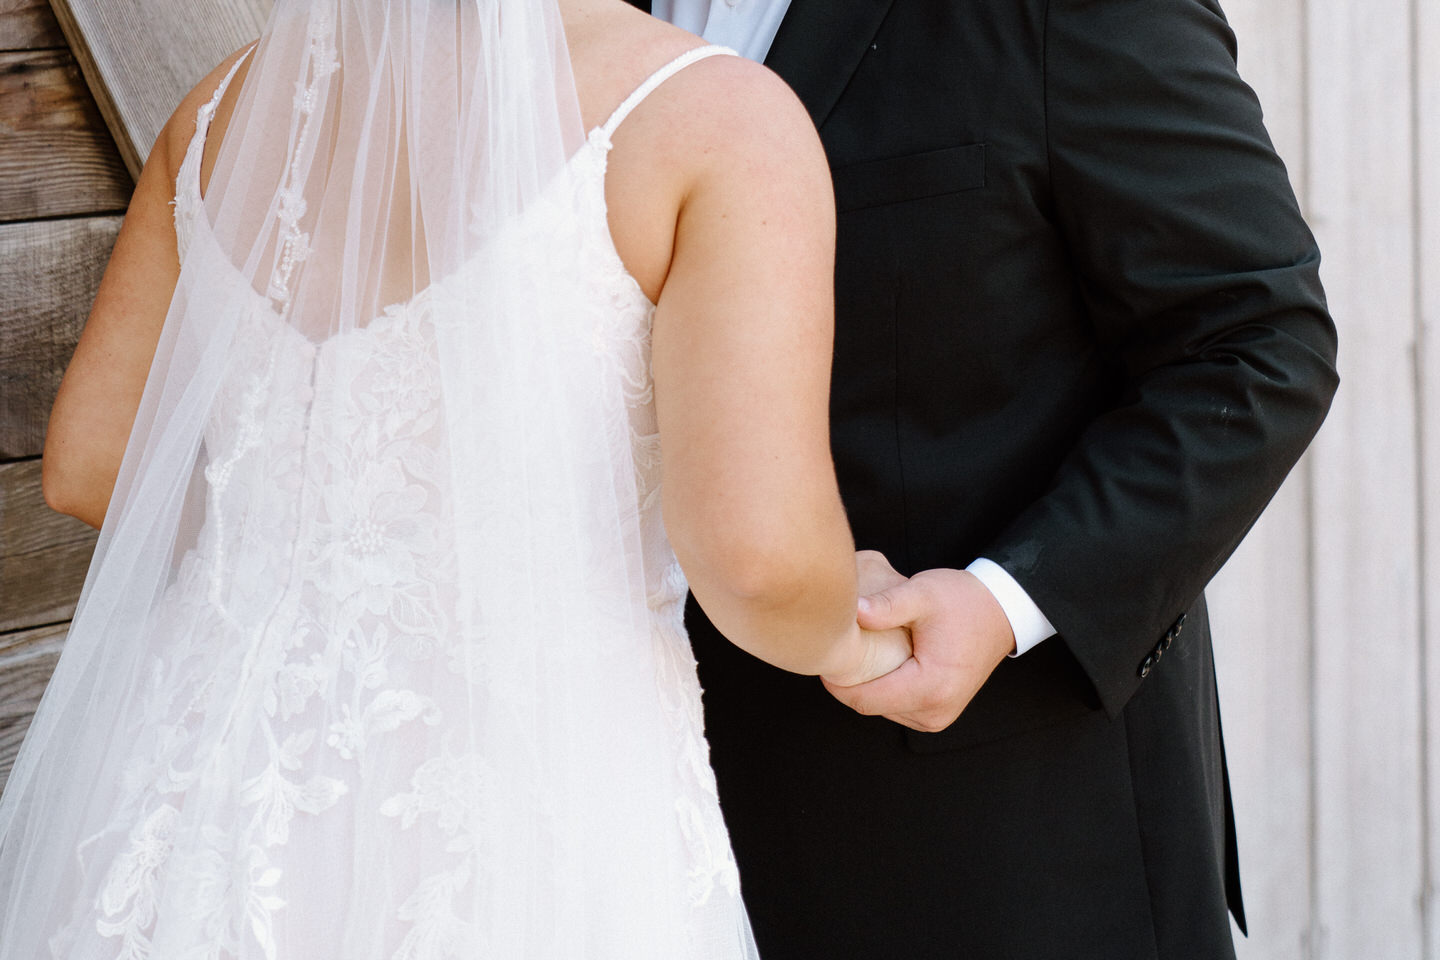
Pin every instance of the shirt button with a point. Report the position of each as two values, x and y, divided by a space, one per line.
733 3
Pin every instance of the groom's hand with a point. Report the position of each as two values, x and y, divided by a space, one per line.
960 634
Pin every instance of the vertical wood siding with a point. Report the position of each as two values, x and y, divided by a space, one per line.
1326 616
1427 168
1261 602
1369 825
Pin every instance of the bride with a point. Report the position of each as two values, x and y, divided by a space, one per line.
381 653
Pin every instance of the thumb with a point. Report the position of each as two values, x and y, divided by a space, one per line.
893 607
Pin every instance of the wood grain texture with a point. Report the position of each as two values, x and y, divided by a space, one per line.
1261 600
43 554
28 25
52 269
142 56
27 659
56 156
1370 828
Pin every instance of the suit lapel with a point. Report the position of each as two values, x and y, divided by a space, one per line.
820 45
642 4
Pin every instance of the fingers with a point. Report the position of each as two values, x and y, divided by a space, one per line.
893 693
889 650
893 648
884 651
874 573
893 607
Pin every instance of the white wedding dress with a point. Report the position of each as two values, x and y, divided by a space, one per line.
288 781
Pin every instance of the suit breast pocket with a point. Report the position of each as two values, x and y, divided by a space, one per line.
915 176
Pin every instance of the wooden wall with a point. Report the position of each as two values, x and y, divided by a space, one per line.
62 190
1327 619
85 87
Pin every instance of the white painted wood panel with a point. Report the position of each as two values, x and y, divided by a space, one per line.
1427 114
1260 611
1261 601
1368 716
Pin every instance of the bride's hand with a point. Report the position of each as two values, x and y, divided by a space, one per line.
876 652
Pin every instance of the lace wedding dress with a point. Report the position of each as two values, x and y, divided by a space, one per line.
331 749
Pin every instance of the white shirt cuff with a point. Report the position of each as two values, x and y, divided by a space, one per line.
1029 624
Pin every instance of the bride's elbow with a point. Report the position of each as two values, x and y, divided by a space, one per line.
66 491
756 578
757 567
55 489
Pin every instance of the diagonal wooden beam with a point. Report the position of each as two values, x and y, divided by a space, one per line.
141 56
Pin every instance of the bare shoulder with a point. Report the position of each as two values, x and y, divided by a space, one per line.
728 117
734 100
721 107
175 138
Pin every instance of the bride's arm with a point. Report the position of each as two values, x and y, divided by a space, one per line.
741 357
100 393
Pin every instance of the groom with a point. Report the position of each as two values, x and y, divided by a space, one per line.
1080 340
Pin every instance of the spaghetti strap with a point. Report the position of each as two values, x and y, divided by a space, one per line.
230 75
659 77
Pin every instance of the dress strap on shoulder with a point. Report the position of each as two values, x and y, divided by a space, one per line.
230 74
207 109
659 77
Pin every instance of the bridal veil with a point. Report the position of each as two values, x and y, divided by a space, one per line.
364 665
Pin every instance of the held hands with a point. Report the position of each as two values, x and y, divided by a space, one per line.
872 653
960 635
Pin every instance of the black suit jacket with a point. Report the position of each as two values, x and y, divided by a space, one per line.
1080 331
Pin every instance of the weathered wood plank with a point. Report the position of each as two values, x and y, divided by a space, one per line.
28 25
1369 819
56 156
1427 23
1260 602
27 659
142 56
52 269
43 554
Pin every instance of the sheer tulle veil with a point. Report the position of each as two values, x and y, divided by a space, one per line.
394 708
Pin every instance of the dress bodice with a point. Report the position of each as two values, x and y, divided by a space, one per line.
383 378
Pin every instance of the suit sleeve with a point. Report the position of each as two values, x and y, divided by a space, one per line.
1201 280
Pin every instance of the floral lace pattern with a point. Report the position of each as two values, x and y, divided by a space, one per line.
314 626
